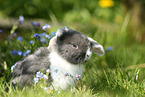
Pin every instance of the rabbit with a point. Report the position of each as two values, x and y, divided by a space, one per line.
68 50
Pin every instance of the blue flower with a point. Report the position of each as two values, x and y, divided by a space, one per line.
43 34
31 42
21 19
110 49
37 35
1 31
43 40
36 80
46 27
48 36
20 39
53 33
35 23
26 53
45 76
19 53
14 52
39 74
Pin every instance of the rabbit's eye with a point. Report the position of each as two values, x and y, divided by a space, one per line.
75 46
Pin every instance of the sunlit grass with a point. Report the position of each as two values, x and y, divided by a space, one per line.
109 75
38 91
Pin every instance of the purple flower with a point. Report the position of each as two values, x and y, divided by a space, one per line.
53 33
20 39
19 53
21 19
14 34
46 27
10 36
66 74
36 24
1 31
31 42
77 76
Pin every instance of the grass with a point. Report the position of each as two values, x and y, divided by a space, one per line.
37 91
110 75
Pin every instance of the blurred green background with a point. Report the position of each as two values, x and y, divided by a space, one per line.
89 13
116 24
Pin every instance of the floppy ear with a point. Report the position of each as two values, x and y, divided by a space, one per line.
96 47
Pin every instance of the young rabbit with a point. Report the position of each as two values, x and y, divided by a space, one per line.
67 52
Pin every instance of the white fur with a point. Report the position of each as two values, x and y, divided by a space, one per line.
59 32
88 54
52 44
59 79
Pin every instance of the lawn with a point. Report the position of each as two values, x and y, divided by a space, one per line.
120 72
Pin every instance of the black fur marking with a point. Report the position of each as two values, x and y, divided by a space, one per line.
65 46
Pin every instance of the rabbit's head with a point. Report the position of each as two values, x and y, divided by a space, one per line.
74 46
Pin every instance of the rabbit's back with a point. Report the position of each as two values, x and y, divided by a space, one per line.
25 70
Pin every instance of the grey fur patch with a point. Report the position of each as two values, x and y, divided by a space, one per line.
25 69
65 46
